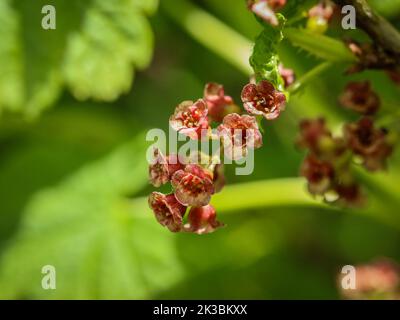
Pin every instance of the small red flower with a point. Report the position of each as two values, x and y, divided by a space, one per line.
219 105
359 97
190 118
202 220
239 133
162 168
379 279
287 75
319 175
368 142
168 210
265 9
349 194
263 99
193 186
394 75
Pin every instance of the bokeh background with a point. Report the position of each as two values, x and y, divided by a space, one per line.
75 105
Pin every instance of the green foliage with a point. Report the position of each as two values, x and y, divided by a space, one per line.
319 45
98 239
265 59
94 50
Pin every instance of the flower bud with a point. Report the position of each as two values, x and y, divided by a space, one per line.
359 97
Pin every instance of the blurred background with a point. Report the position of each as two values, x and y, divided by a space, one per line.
75 105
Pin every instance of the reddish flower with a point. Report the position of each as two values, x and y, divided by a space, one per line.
312 132
319 174
263 99
287 75
162 168
202 220
368 142
190 118
379 280
265 9
359 97
218 177
219 105
193 186
239 133
168 210
349 194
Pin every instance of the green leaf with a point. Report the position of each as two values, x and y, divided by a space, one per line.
102 244
265 59
94 50
319 45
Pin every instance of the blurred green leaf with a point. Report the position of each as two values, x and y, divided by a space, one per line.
94 50
100 242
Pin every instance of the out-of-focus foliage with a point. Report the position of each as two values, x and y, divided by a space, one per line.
95 236
93 51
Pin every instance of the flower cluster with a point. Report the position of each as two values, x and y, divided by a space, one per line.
194 179
377 280
327 167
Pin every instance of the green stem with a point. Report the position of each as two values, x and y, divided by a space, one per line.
309 76
211 33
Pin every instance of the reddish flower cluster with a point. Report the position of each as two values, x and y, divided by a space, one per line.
195 179
263 99
265 9
377 280
328 166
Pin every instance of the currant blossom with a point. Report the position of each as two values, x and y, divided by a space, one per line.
319 174
168 211
193 186
377 280
190 118
219 105
265 9
238 134
162 168
287 75
202 220
368 142
359 97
